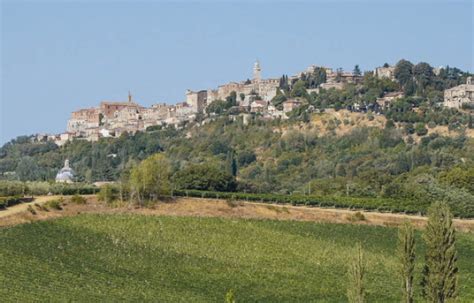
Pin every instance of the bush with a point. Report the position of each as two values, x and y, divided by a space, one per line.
78 199
420 129
55 204
9 201
204 177
11 188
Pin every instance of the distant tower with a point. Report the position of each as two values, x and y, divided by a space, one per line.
257 72
129 97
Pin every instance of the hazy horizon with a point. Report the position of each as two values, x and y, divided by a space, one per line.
58 57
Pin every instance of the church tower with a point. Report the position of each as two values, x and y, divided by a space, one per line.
257 71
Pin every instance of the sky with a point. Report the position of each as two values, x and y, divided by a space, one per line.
57 57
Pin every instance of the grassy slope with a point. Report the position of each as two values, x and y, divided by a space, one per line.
137 258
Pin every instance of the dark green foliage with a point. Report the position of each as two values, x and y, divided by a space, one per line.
10 201
420 129
245 158
279 99
204 177
218 107
357 71
299 89
440 273
231 164
316 78
403 72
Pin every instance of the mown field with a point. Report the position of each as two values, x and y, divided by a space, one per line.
127 257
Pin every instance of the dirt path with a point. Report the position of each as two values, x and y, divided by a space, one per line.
197 207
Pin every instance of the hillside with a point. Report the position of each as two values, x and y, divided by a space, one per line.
135 257
324 156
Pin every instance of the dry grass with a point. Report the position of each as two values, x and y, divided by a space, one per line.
197 207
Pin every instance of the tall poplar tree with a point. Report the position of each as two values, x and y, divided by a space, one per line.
440 273
356 273
406 255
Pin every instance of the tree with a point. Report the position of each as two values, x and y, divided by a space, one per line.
242 96
403 71
204 177
356 273
423 73
357 71
440 272
339 74
278 100
246 157
231 164
299 89
231 99
406 255
151 178
27 169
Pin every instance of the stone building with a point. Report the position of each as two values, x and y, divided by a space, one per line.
83 119
459 95
258 106
385 72
265 88
197 100
388 98
291 104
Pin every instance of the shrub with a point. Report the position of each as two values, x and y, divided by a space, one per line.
55 204
78 199
420 129
3 203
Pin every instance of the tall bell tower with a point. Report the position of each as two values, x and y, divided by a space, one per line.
257 72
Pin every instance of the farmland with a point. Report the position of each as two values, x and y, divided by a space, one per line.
131 257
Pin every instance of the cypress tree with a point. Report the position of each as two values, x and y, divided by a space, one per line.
406 255
356 273
231 163
440 272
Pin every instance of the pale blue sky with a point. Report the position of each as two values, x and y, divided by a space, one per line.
61 56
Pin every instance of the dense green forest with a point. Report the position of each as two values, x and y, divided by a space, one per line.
400 160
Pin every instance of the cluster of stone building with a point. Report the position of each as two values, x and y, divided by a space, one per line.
112 118
460 96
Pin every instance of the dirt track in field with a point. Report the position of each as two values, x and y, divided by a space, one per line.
219 208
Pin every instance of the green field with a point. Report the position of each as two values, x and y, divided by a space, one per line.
93 258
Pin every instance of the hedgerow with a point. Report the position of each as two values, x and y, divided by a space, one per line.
368 204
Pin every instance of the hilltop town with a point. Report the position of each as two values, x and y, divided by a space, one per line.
249 97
